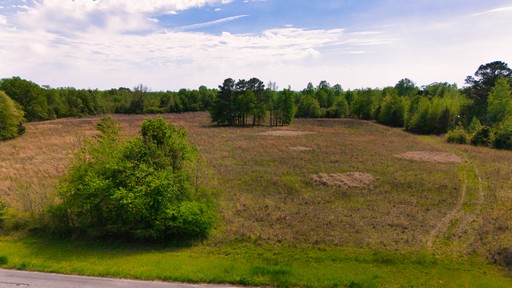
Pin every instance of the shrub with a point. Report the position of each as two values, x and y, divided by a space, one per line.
136 190
458 135
483 137
3 213
503 136
474 126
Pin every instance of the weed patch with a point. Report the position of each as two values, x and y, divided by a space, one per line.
347 180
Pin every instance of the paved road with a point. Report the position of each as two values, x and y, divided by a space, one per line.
22 279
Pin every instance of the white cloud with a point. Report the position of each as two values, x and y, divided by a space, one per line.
71 16
497 10
209 23
93 49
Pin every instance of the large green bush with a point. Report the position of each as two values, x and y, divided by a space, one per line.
11 118
503 136
483 137
139 189
458 135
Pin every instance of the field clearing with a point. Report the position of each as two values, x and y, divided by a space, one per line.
268 196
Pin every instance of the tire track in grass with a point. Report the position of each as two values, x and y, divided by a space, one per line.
464 211
443 225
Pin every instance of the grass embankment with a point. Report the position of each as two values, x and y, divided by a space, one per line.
250 264
418 224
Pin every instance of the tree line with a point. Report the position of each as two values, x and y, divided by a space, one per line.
479 113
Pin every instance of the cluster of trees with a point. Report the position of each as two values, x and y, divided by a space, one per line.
432 109
22 100
139 189
244 102
45 103
488 117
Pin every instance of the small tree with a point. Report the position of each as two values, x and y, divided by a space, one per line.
500 101
503 135
138 189
392 111
11 118
309 107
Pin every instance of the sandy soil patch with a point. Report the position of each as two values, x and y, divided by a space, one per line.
286 133
351 179
300 148
428 156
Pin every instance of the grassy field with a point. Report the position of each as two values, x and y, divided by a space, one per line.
418 224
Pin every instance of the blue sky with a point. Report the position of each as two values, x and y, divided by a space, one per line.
173 44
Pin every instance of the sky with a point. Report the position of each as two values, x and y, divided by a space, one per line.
174 44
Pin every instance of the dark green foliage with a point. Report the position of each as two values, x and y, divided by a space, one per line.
223 109
482 137
339 109
392 110
3 213
406 87
365 103
4 260
481 84
137 190
420 120
284 108
308 107
503 136
29 95
11 118
248 102
485 78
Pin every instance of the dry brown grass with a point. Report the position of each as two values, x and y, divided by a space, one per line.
300 148
429 156
346 180
266 190
286 133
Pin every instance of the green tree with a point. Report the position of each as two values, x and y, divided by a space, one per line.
139 99
481 84
29 95
223 109
406 87
503 135
309 107
500 101
365 103
138 189
286 107
11 118
392 111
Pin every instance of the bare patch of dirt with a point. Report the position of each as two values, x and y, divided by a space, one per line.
286 133
351 179
300 148
428 156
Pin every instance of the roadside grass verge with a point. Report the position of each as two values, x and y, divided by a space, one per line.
252 264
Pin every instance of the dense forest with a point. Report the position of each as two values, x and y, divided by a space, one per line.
479 113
